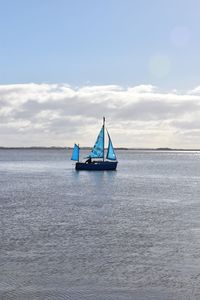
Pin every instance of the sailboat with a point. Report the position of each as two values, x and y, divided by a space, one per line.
97 152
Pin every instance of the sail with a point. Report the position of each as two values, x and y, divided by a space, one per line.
98 149
75 153
110 153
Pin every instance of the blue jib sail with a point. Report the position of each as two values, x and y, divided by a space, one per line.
110 153
75 153
97 151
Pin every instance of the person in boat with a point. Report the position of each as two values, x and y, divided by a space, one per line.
89 160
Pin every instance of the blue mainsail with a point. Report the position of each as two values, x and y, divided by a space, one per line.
75 153
110 153
98 149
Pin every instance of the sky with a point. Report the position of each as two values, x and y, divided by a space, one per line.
66 64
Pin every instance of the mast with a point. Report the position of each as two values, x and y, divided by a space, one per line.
103 136
78 152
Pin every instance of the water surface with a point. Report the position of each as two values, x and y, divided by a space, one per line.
129 234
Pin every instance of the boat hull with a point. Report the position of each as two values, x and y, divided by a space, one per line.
97 166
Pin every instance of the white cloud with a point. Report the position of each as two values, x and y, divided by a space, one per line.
195 91
138 116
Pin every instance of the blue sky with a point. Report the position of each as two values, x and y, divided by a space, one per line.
65 64
100 42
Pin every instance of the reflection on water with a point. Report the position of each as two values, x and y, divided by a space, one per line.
129 234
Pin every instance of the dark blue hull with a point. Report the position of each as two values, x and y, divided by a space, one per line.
97 166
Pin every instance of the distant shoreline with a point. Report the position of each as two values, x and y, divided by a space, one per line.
88 148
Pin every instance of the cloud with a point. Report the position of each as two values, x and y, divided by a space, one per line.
138 116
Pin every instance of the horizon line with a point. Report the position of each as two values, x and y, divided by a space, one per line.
87 148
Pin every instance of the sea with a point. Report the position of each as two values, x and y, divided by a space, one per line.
128 234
